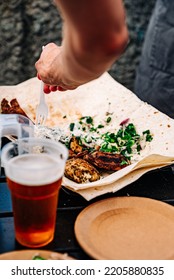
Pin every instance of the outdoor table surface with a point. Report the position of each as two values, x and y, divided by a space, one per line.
157 184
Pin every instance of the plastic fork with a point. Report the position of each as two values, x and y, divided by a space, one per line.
42 109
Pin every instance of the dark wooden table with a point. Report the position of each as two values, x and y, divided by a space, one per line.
157 184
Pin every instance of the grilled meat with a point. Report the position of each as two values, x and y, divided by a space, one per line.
12 108
81 171
5 107
78 155
76 151
71 154
107 161
16 107
74 145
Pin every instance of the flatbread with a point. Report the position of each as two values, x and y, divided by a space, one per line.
92 192
150 162
95 99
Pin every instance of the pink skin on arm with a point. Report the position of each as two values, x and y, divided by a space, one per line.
89 47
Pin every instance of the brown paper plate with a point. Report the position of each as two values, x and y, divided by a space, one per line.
29 254
127 228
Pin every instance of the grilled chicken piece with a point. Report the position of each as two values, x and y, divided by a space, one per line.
80 171
107 161
5 107
78 155
74 145
71 154
16 107
13 109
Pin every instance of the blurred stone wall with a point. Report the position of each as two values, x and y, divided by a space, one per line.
26 25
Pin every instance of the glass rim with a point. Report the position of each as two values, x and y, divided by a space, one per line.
11 145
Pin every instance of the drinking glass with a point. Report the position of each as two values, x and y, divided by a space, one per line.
34 168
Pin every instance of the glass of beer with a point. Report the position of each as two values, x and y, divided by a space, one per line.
34 169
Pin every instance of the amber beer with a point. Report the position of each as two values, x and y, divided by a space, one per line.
34 180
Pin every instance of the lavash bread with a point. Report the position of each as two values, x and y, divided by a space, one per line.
95 99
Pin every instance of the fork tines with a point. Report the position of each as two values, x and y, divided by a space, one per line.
42 109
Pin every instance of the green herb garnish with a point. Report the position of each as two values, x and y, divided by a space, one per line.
88 119
100 126
149 137
38 257
126 141
71 126
108 119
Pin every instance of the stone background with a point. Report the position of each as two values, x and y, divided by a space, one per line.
26 25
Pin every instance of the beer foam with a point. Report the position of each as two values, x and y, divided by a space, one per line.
34 169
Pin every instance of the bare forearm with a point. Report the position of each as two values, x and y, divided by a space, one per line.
94 37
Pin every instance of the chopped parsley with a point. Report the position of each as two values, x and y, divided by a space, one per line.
108 119
87 119
38 257
100 126
126 140
71 126
148 135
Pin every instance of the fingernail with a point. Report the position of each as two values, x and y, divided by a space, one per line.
60 88
53 88
47 89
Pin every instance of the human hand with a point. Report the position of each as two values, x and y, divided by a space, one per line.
50 70
48 88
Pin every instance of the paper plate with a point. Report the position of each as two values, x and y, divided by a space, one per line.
29 254
127 228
